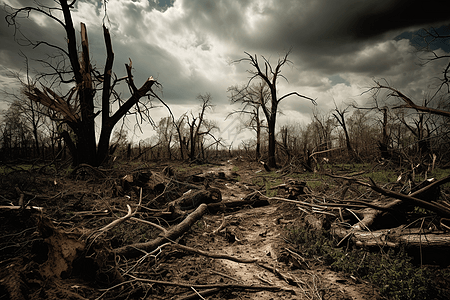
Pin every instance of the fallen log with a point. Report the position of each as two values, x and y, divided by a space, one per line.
394 237
172 234
193 199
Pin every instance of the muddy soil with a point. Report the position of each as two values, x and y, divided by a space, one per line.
74 208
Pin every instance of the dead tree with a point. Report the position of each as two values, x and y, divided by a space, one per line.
251 97
77 105
429 39
179 126
383 145
195 124
339 115
270 76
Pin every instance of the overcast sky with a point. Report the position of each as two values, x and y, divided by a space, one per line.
338 47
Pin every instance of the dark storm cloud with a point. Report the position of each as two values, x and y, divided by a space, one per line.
324 35
330 26
188 44
394 15
17 43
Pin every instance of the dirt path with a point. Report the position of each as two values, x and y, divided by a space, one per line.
258 233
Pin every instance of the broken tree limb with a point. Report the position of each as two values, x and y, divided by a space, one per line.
94 235
116 222
435 207
410 104
315 206
385 208
192 199
373 211
203 293
172 234
422 191
326 151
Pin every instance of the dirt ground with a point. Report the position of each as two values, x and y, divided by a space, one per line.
53 254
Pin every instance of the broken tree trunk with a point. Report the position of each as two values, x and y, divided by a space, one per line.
395 237
192 199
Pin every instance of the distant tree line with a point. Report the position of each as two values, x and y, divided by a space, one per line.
398 134
73 109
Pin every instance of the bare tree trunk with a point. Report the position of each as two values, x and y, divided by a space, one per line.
76 107
340 117
270 77
192 141
383 145
272 163
258 139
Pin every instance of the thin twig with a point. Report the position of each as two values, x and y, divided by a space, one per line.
140 260
113 287
197 293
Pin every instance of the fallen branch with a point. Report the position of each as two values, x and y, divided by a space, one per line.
298 256
435 207
94 235
172 234
21 197
204 293
410 104
435 184
140 260
113 287
115 222
198 294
